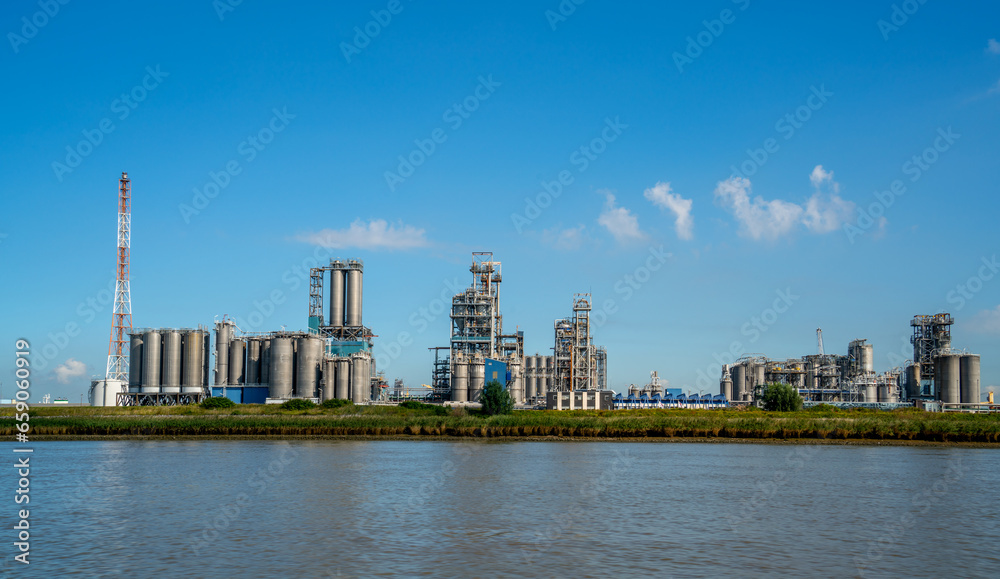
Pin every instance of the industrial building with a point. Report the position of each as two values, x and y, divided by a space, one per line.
936 373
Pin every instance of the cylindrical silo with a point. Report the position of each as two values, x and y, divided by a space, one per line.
758 375
343 388
517 380
329 380
171 383
359 378
871 393
477 377
353 306
237 355
887 392
726 386
253 361
969 379
868 358
913 380
459 378
206 357
950 379
135 363
151 349
281 368
309 356
337 298
96 394
223 335
265 361
530 385
193 362
739 374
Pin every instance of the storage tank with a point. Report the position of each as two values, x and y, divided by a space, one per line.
459 378
337 298
913 380
329 390
265 361
517 381
477 377
192 362
950 378
206 357
151 349
237 355
868 358
969 379
171 383
871 393
281 368
758 375
726 385
353 305
360 379
135 363
253 361
96 393
739 374
343 389
309 357
887 392
223 335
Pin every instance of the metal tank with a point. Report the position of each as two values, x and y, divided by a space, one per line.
913 380
726 385
969 379
96 393
950 379
758 375
253 361
337 298
309 352
193 362
353 305
343 388
223 335
329 390
171 383
868 358
477 377
151 349
237 355
206 357
135 363
517 381
265 360
459 378
359 378
280 378
739 374
872 393
887 392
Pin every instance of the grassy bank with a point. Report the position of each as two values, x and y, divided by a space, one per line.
259 420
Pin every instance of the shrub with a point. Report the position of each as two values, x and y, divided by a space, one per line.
335 403
413 405
781 397
436 409
298 404
217 402
496 399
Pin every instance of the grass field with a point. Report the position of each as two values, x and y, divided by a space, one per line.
260 420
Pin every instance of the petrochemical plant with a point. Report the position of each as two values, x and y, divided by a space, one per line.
333 357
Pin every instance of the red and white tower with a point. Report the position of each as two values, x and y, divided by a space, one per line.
122 312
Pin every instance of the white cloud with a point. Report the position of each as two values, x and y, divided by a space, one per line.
993 47
619 221
661 196
70 369
375 235
565 239
823 212
759 218
986 321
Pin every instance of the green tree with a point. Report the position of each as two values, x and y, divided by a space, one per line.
496 399
217 402
781 397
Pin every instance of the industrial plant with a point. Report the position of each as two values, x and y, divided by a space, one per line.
333 358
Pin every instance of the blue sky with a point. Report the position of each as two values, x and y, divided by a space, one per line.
746 140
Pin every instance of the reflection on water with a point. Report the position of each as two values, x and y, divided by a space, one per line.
511 509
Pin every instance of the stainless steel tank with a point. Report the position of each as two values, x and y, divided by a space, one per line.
871 393
171 383
354 293
151 349
530 385
477 377
758 375
516 380
237 356
343 388
223 335
309 355
459 378
193 362
359 378
950 379
96 393
739 375
726 387
329 390
969 377
135 363
913 380
337 298
280 378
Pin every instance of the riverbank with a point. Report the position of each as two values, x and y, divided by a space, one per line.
256 421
